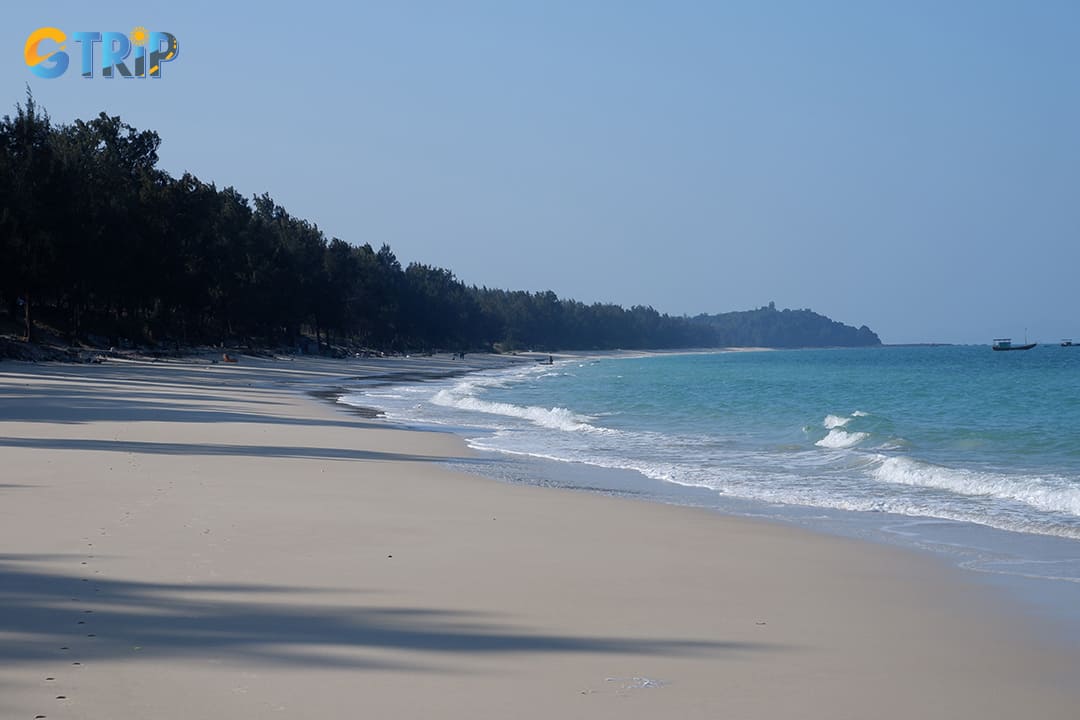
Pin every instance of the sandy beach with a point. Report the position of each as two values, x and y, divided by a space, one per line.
184 540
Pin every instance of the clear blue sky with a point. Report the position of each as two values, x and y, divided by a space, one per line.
913 166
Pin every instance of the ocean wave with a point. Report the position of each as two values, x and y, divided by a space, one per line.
1036 492
666 472
835 421
838 439
354 400
557 418
911 508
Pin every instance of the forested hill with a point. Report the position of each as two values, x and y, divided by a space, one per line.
99 245
769 327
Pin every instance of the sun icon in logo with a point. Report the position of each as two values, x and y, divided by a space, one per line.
139 36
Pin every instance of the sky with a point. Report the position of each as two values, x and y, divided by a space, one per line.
911 166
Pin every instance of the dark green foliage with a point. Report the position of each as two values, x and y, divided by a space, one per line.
103 243
30 222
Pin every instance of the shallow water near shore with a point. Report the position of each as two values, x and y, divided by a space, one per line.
959 450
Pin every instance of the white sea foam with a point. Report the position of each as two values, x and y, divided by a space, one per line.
557 418
835 421
666 472
1041 493
859 413
838 439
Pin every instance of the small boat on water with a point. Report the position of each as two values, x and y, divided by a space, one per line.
1068 343
1006 344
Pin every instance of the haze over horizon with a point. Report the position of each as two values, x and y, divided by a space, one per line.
911 167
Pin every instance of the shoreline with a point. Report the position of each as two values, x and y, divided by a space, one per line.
236 538
985 555
753 507
982 555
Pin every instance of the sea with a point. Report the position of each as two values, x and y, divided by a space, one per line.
957 450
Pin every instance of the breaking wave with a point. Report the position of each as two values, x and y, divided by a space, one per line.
1048 494
839 439
557 418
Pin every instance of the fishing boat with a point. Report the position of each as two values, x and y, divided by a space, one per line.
1068 343
1006 344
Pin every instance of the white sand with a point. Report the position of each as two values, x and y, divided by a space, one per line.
238 550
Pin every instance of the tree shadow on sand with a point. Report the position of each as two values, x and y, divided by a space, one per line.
215 449
77 406
51 617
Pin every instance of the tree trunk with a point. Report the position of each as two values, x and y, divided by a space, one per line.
28 319
76 319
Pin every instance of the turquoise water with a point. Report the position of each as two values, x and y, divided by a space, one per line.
938 435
